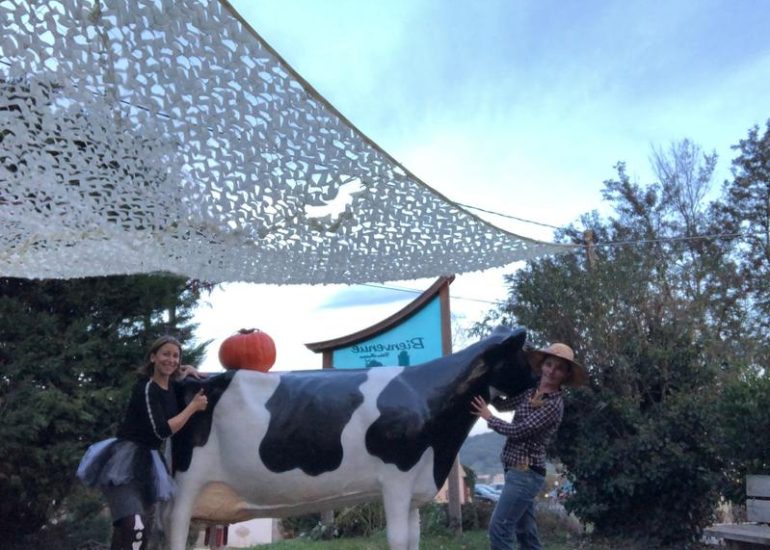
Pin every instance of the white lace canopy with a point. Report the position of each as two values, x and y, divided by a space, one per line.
167 136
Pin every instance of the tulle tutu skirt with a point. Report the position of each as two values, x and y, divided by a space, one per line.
124 464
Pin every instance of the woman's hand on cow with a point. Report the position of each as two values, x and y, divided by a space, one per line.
479 408
189 370
200 401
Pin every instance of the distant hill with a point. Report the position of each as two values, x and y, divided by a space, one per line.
482 453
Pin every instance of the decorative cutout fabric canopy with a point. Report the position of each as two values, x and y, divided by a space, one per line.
166 136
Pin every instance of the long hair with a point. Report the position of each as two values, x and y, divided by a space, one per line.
148 368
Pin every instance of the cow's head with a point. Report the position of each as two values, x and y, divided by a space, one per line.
510 372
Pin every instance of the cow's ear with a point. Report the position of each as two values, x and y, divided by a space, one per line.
516 340
508 343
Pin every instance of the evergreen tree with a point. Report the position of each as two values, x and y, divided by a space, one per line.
68 353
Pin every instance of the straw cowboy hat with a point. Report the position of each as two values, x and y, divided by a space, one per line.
578 375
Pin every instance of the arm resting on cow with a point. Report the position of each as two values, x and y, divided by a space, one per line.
535 422
198 403
189 370
508 403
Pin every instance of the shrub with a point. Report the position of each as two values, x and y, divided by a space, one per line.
298 526
361 520
742 409
83 523
476 514
648 474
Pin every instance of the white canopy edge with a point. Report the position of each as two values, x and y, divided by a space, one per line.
167 136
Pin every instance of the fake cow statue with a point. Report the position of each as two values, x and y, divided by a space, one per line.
282 444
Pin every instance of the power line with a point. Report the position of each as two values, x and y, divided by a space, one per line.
621 243
607 244
415 291
507 216
678 239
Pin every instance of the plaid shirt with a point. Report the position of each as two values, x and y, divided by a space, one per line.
532 427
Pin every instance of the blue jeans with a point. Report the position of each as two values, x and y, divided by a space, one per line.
515 512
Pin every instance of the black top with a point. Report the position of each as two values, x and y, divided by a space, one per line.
148 413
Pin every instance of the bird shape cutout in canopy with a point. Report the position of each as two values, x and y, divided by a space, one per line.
167 136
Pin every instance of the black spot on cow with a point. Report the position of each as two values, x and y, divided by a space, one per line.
196 432
428 405
308 412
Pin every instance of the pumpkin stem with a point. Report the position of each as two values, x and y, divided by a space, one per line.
248 330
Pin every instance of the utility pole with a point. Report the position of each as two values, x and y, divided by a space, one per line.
588 237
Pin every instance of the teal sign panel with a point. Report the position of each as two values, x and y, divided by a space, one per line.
415 341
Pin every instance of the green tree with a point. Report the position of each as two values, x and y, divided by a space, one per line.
656 320
746 209
68 353
743 406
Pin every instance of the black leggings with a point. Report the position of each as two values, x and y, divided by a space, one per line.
131 530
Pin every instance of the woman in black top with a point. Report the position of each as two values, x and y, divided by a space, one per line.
129 468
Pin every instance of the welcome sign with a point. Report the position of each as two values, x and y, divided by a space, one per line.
418 333
414 341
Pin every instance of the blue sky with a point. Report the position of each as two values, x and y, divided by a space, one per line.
521 107
495 101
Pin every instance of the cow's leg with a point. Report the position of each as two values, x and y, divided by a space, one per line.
395 498
414 527
178 519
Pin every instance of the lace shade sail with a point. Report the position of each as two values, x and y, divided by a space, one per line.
167 136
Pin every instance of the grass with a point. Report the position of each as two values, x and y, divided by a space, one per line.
475 539
558 531
470 540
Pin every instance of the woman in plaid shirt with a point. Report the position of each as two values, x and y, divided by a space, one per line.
538 413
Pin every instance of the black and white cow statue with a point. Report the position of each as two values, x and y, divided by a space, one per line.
283 444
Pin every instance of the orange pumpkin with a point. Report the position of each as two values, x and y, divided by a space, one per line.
248 349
